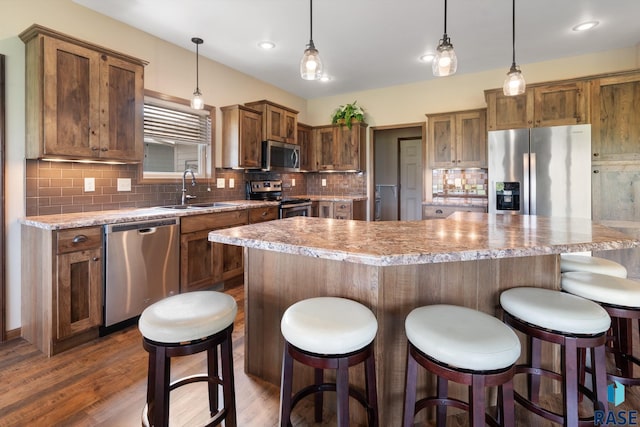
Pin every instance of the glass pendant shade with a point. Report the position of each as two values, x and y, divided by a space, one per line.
514 84
197 100
311 64
445 63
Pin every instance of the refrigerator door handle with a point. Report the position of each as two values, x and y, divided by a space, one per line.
525 190
532 187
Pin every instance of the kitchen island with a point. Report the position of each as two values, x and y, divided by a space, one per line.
393 267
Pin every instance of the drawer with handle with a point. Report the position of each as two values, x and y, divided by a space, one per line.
78 239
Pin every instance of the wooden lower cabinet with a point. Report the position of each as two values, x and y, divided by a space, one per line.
355 209
442 211
62 294
203 263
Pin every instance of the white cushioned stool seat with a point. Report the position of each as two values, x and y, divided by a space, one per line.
555 310
602 288
329 325
574 262
462 337
187 317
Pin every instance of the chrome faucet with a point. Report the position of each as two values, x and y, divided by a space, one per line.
186 196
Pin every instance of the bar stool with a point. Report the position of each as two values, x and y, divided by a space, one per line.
329 333
465 346
574 262
577 325
186 324
620 297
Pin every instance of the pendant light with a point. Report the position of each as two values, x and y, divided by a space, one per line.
514 84
445 62
311 64
197 101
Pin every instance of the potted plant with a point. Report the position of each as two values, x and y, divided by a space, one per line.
347 113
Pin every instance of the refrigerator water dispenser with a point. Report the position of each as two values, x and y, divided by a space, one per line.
507 196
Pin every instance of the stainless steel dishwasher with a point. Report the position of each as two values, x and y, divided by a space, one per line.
142 266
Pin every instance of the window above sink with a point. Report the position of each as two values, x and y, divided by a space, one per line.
176 138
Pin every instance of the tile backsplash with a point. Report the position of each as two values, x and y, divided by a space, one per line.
58 187
460 182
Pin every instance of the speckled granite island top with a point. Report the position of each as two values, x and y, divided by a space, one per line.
464 236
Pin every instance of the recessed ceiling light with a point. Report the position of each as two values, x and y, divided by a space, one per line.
427 57
585 26
266 45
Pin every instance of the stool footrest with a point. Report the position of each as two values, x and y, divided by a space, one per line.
320 388
194 379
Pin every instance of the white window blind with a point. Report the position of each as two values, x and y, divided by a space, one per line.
174 125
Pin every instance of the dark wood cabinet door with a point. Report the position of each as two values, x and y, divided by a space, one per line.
79 292
560 104
471 139
509 112
347 148
615 118
442 136
325 141
250 139
290 127
275 124
307 148
70 105
121 106
200 261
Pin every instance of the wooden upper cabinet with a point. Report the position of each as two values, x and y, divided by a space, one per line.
83 101
241 137
279 123
457 139
541 105
338 148
615 117
307 148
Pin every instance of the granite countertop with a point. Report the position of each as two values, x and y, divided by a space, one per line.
456 201
96 218
330 198
463 236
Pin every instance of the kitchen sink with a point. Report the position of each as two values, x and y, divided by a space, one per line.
201 205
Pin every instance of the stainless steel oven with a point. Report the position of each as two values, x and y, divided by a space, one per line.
289 208
272 190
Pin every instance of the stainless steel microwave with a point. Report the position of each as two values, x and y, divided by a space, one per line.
280 156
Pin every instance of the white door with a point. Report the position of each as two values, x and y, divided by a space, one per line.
410 179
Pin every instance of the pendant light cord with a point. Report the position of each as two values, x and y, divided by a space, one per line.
513 32
311 20
445 18
197 69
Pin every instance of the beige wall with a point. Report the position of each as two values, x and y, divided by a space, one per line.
171 70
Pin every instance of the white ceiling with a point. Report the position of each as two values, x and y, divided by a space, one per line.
368 44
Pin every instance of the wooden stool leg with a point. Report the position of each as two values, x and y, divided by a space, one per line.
476 401
535 356
441 410
570 382
599 377
507 405
318 397
162 369
342 388
286 387
410 389
372 389
228 382
212 369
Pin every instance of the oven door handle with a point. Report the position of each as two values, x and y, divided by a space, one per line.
294 158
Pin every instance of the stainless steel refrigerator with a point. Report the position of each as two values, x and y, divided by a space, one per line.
541 171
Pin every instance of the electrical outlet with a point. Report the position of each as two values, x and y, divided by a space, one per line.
124 184
220 183
293 182
89 185
324 182
232 183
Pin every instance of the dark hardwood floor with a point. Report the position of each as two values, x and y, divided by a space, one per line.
103 383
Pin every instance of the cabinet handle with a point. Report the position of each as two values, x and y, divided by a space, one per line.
264 213
95 148
95 258
438 211
596 154
80 238
104 149
596 171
